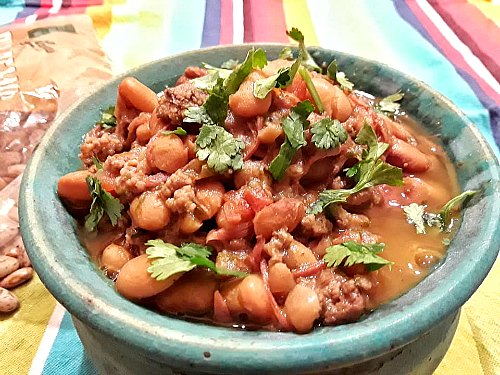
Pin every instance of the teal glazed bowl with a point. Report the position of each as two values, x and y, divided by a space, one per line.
408 335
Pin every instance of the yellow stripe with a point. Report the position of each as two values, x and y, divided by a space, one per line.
297 15
489 9
21 333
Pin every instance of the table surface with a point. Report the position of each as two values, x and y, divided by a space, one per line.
451 45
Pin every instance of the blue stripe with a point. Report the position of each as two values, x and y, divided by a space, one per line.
211 26
67 355
8 14
487 102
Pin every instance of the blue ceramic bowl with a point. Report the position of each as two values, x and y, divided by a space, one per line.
408 334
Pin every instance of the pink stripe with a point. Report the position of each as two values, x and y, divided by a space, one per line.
451 53
265 21
226 22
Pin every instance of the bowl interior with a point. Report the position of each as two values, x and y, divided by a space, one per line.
63 265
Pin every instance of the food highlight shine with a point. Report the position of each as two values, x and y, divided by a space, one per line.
262 194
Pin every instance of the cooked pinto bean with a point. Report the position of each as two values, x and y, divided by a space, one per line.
335 102
285 213
135 282
168 153
253 298
298 255
243 103
209 195
281 280
114 257
189 223
302 308
252 170
230 291
192 294
408 157
73 186
139 95
149 212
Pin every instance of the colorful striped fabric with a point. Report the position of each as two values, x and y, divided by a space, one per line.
453 45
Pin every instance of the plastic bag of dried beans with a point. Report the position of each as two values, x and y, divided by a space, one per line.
44 67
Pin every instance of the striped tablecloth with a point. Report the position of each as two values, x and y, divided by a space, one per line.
453 45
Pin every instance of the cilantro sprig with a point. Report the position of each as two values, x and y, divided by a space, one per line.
169 259
108 119
219 148
350 253
283 78
307 60
293 127
421 219
333 72
328 133
102 203
368 172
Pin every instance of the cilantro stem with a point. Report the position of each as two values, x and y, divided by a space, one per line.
312 89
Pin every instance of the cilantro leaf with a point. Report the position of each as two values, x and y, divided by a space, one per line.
230 64
217 103
293 127
343 81
178 131
415 215
286 54
108 119
283 78
456 201
350 253
311 88
328 133
256 58
102 203
307 60
170 259
219 148
198 115
207 82
368 172
222 72
388 104
332 69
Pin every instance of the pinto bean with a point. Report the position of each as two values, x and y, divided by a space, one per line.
168 153
302 308
243 103
73 186
114 257
254 299
285 213
229 291
7 265
408 157
8 301
335 102
281 280
270 133
135 282
139 95
189 223
17 277
192 294
209 196
148 211
298 255
143 134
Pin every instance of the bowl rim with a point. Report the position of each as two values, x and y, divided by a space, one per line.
369 341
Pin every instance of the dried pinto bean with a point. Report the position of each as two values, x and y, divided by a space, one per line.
17 278
7 265
8 301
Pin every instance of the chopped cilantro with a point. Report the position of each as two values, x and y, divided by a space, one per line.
230 64
102 203
169 259
108 119
389 104
332 70
219 148
328 133
293 127
350 253
343 81
368 172
178 131
311 88
97 162
283 78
